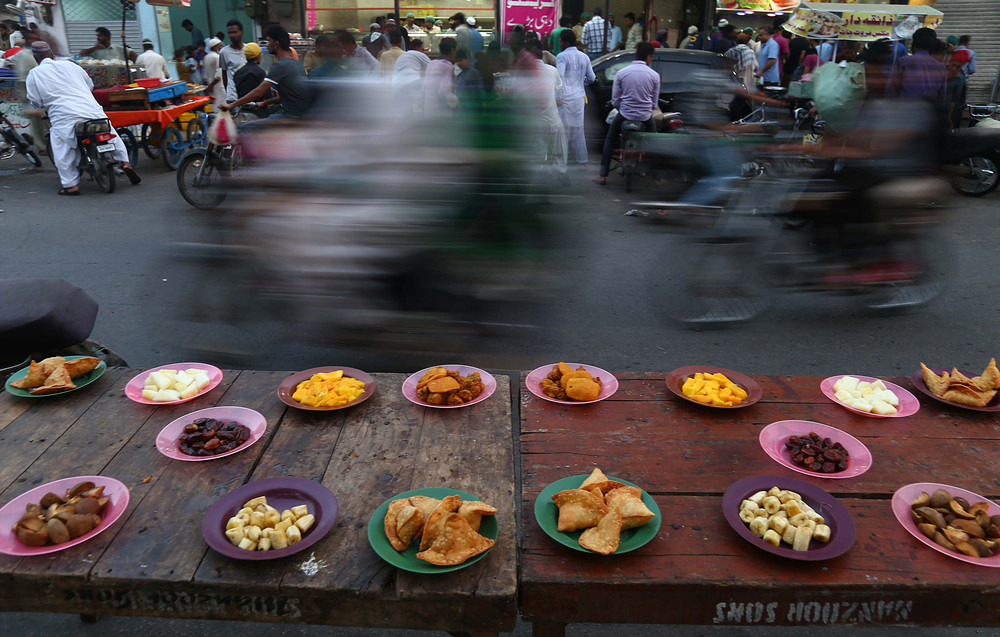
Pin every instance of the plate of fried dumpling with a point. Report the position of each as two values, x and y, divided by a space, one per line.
960 388
55 375
597 514
433 530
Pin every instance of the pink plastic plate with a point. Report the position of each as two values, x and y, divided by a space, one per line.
13 510
917 378
902 498
166 440
609 384
134 388
489 386
774 436
908 403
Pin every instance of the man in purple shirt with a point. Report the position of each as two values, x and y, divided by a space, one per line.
919 75
635 93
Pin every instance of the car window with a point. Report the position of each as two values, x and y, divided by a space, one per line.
607 74
673 72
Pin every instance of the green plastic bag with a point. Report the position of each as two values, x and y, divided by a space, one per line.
839 92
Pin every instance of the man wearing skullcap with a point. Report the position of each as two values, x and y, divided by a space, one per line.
155 65
64 90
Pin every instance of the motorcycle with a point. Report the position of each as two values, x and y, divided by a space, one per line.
96 153
12 142
972 157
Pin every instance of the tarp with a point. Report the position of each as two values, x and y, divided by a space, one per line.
861 22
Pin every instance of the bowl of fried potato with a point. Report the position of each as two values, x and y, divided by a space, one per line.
449 386
326 388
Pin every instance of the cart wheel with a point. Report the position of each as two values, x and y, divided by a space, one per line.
150 140
196 132
173 147
128 138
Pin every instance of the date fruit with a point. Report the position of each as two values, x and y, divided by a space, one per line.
817 454
209 437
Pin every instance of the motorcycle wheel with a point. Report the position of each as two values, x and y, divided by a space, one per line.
48 146
980 176
103 171
927 285
33 158
206 193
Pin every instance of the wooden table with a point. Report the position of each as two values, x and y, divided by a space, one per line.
154 560
698 570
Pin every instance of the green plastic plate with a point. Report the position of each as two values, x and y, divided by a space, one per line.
407 560
80 381
547 514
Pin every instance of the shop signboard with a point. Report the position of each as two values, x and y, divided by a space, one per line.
863 22
535 15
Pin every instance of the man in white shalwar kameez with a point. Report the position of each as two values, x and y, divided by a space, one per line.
63 89
576 72
408 77
540 88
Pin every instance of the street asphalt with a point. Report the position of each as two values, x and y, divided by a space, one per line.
618 273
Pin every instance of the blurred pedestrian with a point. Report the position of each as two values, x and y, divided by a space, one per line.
744 60
615 40
468 83
963 45
196 35
231 57
375 41
576 73
286 76
475 38
920 75
578 27
553 40
154 63
769 58
439 95
955 89
359 59
212 72
634 35
387 61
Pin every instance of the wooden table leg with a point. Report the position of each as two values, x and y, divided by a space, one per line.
548 629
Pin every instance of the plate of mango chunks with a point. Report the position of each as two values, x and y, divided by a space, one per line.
960 388
55 375
714 386
597 514
433 530
326 388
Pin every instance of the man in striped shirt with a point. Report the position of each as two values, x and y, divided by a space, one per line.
595 36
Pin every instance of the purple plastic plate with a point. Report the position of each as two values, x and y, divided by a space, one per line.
908 403
917 378
902 498
12 511
287 387
842 530
609 384
676 378
774 436
489 386
134 387
166 440
281 493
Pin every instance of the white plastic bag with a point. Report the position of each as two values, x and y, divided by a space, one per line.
610 119
223 130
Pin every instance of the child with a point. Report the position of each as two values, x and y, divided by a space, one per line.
193 64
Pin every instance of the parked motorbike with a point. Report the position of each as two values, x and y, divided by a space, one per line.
13 142
97 160
971 158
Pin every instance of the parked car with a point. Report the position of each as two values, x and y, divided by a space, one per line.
675 67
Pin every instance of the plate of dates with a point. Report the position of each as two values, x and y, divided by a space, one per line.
815 449
211 433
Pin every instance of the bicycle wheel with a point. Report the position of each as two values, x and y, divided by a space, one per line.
103 172
979 176
173 147
48 148
131 147
199 179
150 140
196 132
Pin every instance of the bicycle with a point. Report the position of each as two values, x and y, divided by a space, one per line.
201 172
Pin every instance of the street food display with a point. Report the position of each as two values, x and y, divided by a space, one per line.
169 385
869 396
819 455
951 520
441 386
55 375
602 508
208 437
778 515
448 528
565 383
328 389
791 443
713 389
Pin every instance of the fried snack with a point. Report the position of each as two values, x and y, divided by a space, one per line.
473 512
441 386
51 363
956 387
595 476
627 501
409 522
578 509
452 542
425 504
565 383
391 523
605 537
34 378
437 518
57 381
81 366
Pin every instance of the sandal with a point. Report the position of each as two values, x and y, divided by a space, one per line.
601 181
132 175
69 193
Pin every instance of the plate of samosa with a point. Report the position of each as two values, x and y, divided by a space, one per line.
55 375
960 388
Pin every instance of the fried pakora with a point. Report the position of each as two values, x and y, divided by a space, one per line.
440 386
557 384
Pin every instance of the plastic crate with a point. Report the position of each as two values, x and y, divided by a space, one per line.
167 91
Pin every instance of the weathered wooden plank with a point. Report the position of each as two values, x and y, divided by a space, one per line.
35 430
471 449
161 541
11 407
697 567
373 460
